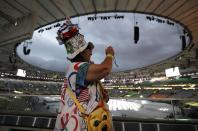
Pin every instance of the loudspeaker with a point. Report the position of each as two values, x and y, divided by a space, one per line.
26 51
136 34
183 39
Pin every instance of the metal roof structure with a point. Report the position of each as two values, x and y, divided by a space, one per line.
15 14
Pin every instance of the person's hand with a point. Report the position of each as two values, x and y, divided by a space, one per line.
109 50
91 62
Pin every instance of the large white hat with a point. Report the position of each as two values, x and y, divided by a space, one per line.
74 42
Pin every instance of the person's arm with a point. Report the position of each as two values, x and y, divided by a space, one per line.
98 71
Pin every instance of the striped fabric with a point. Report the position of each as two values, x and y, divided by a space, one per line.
84 95
68 30
65 25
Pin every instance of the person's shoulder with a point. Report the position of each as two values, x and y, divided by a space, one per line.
77 65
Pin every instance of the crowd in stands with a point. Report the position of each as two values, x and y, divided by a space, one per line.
30 87
173 94
129 90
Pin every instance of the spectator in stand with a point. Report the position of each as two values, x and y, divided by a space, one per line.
83 95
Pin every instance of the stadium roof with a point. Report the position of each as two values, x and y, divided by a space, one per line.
38 13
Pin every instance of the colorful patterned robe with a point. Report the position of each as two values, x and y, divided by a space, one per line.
88 94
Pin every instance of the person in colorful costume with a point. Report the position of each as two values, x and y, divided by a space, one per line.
83 80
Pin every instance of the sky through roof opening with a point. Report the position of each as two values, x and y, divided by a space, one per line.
159 39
